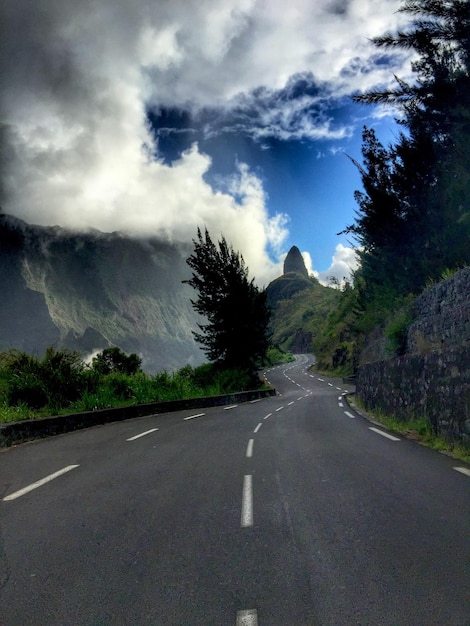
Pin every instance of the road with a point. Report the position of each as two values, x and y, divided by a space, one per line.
287 511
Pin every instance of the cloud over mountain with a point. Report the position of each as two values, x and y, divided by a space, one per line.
80 77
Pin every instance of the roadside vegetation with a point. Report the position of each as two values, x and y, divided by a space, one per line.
412 224
420 430
236 340
60 382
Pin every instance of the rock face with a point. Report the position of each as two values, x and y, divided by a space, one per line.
298 303
89 291
294 263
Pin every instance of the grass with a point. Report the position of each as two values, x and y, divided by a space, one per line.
419 429
118 390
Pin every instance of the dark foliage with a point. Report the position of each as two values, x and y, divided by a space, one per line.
414 213
413 217
235 334
114 360
55 381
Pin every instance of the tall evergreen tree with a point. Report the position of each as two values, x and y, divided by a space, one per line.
236 332
416 193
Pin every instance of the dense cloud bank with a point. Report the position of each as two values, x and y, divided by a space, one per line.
80 77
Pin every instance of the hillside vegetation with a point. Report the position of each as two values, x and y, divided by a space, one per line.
60 382
299 306
299 312
412 225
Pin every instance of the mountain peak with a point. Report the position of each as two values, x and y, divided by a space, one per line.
294 262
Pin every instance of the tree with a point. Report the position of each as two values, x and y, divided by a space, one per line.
235 334
112 360
414 218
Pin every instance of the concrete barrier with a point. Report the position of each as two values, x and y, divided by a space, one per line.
13 433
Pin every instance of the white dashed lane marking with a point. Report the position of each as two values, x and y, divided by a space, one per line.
193 417
39 483
463 470
246 519
381 432
248 617
147 432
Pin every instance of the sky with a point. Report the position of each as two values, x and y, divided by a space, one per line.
159 117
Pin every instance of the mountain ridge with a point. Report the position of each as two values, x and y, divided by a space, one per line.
299 305
96 288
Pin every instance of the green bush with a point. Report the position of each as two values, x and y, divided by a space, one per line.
396 330
62 382
114 360
56 381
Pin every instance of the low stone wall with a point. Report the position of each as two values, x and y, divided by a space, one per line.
434 385
432 379
26 430
442 315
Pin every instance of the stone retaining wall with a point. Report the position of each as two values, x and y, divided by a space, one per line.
432 379
434 385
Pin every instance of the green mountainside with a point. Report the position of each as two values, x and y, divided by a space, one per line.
299 305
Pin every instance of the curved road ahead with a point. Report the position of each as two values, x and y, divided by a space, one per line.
289 511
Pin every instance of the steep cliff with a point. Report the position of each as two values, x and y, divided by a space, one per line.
88 291
299 304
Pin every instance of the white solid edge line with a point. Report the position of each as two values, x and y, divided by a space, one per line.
249 448
247 618
258 427
462 470
246 519
147 432
39 483
232 406
350 415
381 432
192 417
253 401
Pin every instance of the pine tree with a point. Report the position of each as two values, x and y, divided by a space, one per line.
416 193
236 332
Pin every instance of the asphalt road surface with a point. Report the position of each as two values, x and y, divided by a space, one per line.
288 511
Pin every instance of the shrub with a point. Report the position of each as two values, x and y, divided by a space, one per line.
396 330
113 360
56 381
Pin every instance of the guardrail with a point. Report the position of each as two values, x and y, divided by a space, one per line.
13 433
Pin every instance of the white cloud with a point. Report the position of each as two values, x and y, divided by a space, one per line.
343 263
77 78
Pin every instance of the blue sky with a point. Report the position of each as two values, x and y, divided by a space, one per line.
311 181
154 118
